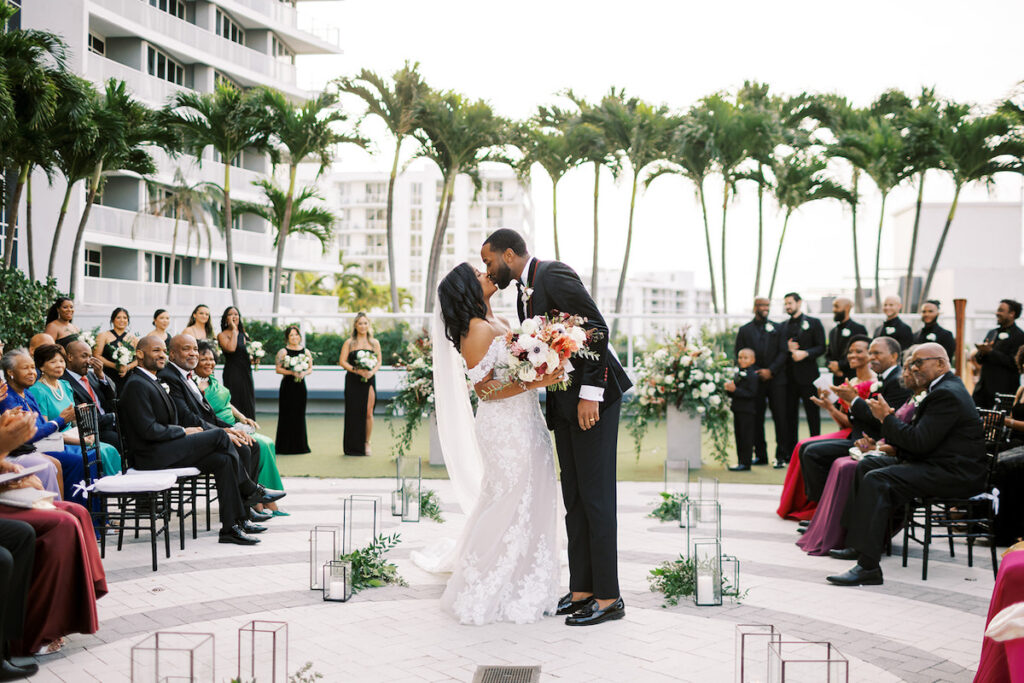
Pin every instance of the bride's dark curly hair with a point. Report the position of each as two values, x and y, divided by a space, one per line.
461 299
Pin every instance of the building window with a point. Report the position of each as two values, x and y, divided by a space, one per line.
416 220
173 7
495 190
376 219
158 268
417 194
376 192
93 263
220 275
97 45
220 78
281 51
416 246
440 189
218 213
162 66
449 244
236 161
227 28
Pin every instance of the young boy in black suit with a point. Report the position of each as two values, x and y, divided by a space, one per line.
743 388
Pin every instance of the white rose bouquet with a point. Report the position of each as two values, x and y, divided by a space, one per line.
123 355
297 364
255 351
542 345
365 360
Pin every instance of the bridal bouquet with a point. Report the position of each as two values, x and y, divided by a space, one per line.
297 364
123 355
542 345
255 351
365 360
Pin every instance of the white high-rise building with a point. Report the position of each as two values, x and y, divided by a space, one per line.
655 293
159 48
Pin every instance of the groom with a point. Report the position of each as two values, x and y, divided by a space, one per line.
585 420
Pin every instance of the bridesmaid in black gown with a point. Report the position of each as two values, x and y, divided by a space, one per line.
109 340
360 387
291 403
237 364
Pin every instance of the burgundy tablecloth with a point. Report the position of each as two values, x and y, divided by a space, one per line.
1004 662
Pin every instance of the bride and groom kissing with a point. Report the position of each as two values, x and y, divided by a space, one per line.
505 566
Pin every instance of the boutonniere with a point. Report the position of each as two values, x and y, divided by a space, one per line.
890 330
769 328
166 388
875 387
1004 335
846 332
805 326
742 373
930 336
918 398
527 293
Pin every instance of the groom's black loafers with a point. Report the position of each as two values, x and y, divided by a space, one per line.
591 614
566 605
858 576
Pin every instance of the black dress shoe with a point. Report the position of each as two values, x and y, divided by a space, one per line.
264 496
858 576
760 461
740 468
844 554
9 671
257 516
566 605
251 528
779 465
804 522
237 536
591 614
801 530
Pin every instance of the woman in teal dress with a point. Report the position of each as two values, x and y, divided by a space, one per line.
54 395
219 397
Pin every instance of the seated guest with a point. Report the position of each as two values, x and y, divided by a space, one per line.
932 331
85 376
67 575
1008 476
826 531
839 337
995 355
743 390
884 355
54 395
59 322
38 340
51 476
794 503
893 326
941 453
157 441
220 400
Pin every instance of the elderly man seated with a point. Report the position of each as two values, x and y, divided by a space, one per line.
940 453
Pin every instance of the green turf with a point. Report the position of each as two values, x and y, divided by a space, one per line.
326 459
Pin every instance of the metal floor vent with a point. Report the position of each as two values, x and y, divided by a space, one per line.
507 674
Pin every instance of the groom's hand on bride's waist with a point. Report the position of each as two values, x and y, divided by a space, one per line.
588 413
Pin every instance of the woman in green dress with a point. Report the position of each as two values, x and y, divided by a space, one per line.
219 397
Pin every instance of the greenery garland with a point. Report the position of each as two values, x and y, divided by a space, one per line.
370 569
414 401
678 579
430 505
671 507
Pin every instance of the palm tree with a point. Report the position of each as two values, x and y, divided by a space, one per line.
397 106
456 134
753 99
183 201
799 180
230 121
307 218
973 151
642 131
357 293
305 131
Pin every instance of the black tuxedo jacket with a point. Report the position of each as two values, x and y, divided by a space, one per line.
743 398
149 420
769 346
946 431
811 340
557 288
192 412
894 393
105 392
938 335
838 339
898 330
999 374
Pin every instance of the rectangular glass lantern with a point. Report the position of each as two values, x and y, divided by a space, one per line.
730 575
337 581
410 470
704 523
263 651
396 495
707 562
707 488
677 476
796 662
173 656
324 546
360 522
752 641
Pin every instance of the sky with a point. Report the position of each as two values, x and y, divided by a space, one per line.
517 55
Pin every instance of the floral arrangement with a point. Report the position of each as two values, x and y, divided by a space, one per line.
298 364
430 505
365 360
255 351
415 398
369 567
671 507
123 354
678 579
689 376
542 344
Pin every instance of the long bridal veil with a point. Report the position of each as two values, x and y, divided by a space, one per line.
457 436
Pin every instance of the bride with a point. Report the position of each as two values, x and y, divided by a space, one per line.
506 563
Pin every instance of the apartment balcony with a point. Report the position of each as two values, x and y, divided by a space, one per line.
242 179
303 36
154 91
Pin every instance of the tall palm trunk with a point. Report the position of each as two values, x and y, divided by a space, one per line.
908 285
593 268
878 255
28 228
174 247
392 275
725 208
858 291
282 238
229 249
437 243
94 185
707 242
554 217
12 223
760 232
778 253
52 265
625 259
938 249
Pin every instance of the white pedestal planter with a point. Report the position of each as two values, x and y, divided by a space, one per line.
684 437
436 457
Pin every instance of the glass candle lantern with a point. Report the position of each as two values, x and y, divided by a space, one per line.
173 656
677 476
263 651
704 523
752 641
324 546
396 495
411 472
359 519
707 488
337 581
707 562
796 662
730 576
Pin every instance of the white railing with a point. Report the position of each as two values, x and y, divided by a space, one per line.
150 89
278 12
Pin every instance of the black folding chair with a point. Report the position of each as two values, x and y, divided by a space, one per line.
1004 403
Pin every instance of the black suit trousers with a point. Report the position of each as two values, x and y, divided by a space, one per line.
816 460
587 463
771 394
797 392
17 555
744 427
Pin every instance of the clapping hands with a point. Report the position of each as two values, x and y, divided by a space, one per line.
846 392
16 427
879 408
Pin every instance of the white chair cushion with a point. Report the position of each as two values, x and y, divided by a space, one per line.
176 471
137 483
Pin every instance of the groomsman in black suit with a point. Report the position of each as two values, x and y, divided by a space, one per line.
769 344
932 331
997 356
940 453
151 429
84 373
805 342
839 338
893 326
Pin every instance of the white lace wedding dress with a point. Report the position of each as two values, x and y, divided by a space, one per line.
507 560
